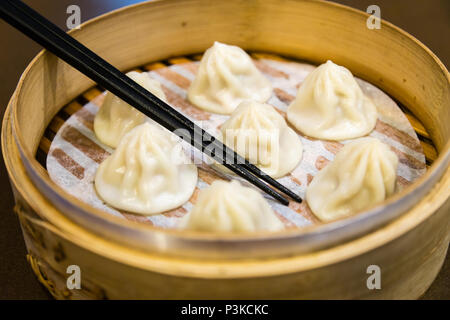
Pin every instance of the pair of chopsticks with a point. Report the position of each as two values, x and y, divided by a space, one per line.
41 30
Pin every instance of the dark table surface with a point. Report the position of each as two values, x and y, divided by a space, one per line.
429 21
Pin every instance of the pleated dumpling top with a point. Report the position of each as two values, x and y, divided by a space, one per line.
116 117
330 105
260 134
148 173
230 207
363 173
226 77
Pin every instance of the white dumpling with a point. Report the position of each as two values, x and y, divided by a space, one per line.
231 207
226 77
330 105
363 174
148 173
259 133
116 117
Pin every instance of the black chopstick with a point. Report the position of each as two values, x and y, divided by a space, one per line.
126 91
70 50
187 123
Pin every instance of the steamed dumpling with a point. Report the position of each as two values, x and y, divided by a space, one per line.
330 105
259 133
148 173
226 77
116 117
362 174
231 207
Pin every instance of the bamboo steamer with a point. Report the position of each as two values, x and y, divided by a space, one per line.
407 236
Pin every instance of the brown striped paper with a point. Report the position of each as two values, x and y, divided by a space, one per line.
75 153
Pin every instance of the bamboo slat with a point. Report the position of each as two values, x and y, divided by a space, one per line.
44 145
154 66
429 150
417 125
91 94
55 124
72 107
179 60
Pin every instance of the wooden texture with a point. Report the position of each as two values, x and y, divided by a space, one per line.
409 250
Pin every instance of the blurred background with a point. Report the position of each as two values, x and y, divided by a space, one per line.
428 21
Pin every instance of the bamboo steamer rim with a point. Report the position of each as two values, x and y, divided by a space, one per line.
423 184
219 269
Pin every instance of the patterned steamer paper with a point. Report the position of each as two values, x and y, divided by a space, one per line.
75 152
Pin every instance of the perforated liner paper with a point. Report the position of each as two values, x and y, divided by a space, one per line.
75 152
